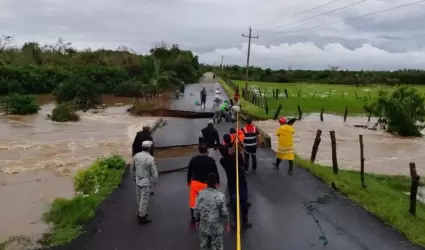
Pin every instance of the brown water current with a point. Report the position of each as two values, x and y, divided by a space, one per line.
38 158
384 153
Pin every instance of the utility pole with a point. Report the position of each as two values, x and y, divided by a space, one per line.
249 52
221 65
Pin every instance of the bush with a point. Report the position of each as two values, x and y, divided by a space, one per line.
402 112
94 184
65 112
17 104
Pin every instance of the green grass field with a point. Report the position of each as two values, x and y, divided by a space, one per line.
313 97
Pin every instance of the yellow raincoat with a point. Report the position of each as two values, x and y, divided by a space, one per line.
285 144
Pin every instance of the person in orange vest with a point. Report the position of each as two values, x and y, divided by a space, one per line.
232 133
285 144
250 143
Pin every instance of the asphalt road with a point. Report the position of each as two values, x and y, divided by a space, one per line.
280 220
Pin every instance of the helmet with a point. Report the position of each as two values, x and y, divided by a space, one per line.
226 101
282 120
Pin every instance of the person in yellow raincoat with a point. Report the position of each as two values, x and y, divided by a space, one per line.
285 144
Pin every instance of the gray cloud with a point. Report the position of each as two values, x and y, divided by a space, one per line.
210 25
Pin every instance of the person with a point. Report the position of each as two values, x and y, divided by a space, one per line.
235 110
217 114
209 136
203 97
224 107
145 174
182 87
211 215
199 168
250 143
141 136
240 135
217 99
285 144
228 162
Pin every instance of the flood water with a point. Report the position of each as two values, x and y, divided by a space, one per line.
38 158
384 153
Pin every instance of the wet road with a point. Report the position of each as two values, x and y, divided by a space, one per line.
279 218
192 94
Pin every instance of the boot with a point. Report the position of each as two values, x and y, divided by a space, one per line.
143 220
192 223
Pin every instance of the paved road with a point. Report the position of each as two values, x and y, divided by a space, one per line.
192 93
279 218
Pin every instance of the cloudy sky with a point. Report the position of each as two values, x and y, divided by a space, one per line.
212 28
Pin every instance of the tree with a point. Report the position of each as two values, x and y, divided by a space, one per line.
17 104
402 112
79 88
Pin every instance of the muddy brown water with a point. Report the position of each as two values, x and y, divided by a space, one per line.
38 158
384 153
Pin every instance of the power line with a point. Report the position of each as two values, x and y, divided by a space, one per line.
322 14
356 17
299 13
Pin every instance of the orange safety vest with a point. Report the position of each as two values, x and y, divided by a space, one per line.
240 135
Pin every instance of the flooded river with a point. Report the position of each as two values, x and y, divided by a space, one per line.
38 158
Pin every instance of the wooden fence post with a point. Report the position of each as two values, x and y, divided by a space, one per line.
273 93
361 161
286 93
300 113
276 115
316 144
266 106
413 188
299 93
345 113
277 93
334 156
368 117
321 114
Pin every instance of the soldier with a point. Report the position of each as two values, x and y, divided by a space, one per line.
145 174
211 214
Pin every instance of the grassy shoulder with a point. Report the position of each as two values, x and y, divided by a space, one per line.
383 197
313 97
93 185
247 108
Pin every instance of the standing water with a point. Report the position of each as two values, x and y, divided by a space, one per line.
38 158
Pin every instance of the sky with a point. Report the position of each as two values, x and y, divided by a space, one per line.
213 28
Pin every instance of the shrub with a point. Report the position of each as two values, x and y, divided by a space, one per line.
65 112
69 215
402 112
17 104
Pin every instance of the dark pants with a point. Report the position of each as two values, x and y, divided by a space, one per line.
250 151
203 101
243 192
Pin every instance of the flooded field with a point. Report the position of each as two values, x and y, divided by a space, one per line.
384 153
56 151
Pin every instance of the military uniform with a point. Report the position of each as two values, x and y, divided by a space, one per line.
211 212
145 174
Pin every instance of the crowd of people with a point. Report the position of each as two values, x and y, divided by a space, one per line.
208 207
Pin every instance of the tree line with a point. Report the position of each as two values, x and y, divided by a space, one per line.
82 76
332 75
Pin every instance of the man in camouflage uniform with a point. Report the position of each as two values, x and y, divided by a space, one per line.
211 214
145 175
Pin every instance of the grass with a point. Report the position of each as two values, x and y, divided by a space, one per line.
313 97
93 185
383 197
247 108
